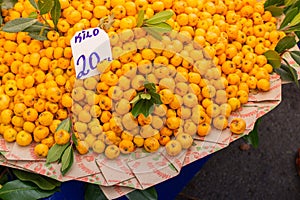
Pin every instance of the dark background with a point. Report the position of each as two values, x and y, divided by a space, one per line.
267 172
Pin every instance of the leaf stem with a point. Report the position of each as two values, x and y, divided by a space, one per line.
45 20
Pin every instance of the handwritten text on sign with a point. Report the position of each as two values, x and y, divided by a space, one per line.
89 47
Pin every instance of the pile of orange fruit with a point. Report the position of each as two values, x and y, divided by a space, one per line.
214 53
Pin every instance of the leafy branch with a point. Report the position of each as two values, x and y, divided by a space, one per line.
27 186
290 25
156 25
36 29
144 102
63 154
289 9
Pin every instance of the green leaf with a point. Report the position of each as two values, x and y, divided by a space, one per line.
65 125
148 108
147 194
155 98
285 43
288 73
17 189
42 182
291 72
140 18
149 86
8 4
276 11
294 5
1 18
284 75
74 139
144 102
296 20
297 33
37 36
137 108
292 29
160 17
93 191
45 6
289 2
55 152
67 160
289 17
273 58
145 96
136 98
55 12
33 3
252 137
33 15
162 27
153 32
5 175
37 28
273 2
18 25
296 56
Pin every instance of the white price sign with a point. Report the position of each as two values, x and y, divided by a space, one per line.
89 47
